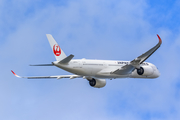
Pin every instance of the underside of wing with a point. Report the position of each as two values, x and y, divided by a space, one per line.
44 77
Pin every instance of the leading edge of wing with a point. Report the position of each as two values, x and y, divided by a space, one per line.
44 77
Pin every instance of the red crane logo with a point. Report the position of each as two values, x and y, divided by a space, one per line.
56 50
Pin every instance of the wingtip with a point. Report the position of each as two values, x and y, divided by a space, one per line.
15 74
160 41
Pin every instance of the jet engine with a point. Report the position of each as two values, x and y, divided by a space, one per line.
143 71
97 83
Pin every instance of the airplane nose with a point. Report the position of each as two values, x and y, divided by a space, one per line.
156 74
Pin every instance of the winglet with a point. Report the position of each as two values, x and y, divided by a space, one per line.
160 41
15 74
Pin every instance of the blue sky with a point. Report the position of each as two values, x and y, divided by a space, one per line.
96 29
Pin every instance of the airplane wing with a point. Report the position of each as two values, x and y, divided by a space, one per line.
124 70
43 77
139 60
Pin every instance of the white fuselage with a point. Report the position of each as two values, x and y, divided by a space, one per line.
103 68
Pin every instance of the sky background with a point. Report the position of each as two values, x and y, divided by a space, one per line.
91 29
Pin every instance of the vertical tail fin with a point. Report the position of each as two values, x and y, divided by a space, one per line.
58 52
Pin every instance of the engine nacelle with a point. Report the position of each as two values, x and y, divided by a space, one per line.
143 71
97 83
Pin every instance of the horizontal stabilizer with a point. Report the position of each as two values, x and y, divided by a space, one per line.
42 65
67 59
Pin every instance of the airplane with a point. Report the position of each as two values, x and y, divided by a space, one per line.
97 71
